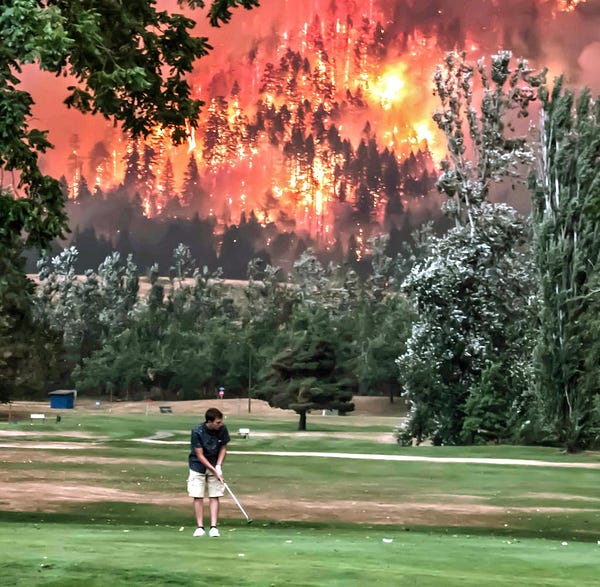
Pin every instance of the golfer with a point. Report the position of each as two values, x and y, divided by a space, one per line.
207 453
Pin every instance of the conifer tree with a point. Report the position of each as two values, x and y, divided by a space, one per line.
132 168
306 375
192 193
99 161
168 181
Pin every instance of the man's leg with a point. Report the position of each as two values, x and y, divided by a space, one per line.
214 511
199 511
195 486
215 491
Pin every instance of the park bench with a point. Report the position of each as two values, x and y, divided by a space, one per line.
37 416
244 432
165 410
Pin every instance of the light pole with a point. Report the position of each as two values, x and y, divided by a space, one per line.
249 379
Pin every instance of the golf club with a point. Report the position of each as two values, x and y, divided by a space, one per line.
248 519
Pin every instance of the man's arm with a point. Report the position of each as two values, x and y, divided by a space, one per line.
200 454
220 459
225 438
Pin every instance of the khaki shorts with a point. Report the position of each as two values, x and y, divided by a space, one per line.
197 482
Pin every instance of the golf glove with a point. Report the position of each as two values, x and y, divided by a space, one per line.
219 470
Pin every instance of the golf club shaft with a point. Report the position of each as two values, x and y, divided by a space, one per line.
237 502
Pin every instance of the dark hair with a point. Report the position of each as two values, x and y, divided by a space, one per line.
212 414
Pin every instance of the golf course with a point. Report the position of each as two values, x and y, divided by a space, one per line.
99 498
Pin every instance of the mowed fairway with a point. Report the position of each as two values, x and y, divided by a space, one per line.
99 499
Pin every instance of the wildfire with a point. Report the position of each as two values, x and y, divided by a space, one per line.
424 132
569 5
387 89
326 119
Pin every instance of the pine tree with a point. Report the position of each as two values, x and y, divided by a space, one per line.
99 162
391 188
84 194
147 176
132 168
74 162
377 48
192 193
217 143
306 374
365 204
168 181
270 83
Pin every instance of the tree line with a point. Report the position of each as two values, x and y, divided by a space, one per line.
488 330
312 340
113 222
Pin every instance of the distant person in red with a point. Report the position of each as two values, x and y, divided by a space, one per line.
221 392
208 448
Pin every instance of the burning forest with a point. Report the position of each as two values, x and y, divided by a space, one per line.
317 116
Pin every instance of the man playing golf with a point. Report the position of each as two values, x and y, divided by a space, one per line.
207 453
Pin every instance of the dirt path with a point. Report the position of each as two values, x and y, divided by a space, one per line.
53 491
44 496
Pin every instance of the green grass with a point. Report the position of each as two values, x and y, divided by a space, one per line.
120 543
123 554
124 428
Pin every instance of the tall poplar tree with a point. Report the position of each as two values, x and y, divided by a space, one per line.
566 211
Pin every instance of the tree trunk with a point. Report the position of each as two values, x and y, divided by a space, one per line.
302 421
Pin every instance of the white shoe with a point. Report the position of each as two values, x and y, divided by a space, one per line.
214 532
199 532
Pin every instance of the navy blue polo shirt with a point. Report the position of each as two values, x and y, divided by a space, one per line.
210 441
